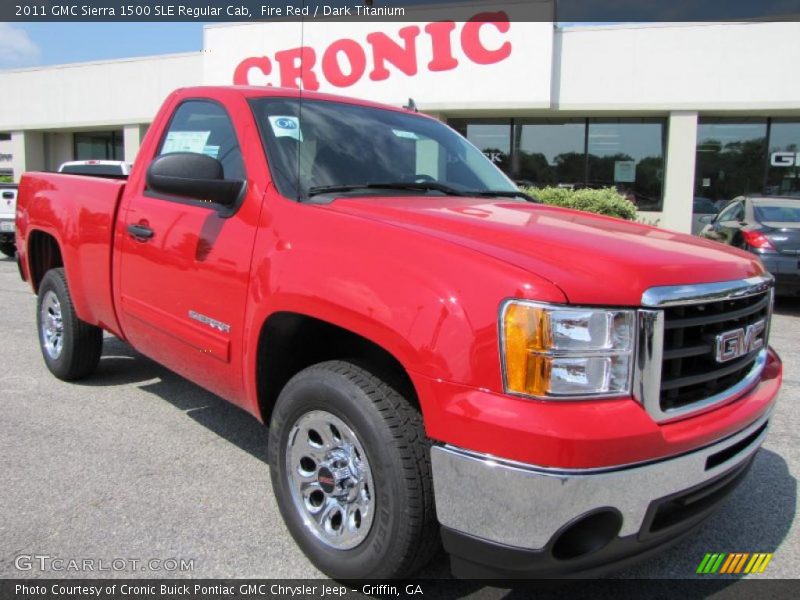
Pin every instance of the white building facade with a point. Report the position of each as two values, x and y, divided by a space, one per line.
676 116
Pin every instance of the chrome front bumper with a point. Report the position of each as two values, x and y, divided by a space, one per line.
525 506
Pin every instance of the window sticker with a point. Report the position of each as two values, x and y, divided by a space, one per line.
407 135
212 151
624 171
286 127
185 141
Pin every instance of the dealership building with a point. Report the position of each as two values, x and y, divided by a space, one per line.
665 112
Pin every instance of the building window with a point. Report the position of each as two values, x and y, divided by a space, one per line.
628 154
550 152
492 137
98 145
624 153
730 158
4 137
783 172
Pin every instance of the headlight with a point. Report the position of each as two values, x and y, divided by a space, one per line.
560 352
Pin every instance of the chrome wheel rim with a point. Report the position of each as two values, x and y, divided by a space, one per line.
330 480
52 325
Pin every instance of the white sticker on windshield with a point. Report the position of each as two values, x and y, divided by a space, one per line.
211 151
286 127
408 135
185 141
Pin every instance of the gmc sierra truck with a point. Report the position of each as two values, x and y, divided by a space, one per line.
439 358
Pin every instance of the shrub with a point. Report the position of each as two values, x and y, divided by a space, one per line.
605 201
6 179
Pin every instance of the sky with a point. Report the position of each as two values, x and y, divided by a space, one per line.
34 44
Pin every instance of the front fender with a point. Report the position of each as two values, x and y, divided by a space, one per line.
431 304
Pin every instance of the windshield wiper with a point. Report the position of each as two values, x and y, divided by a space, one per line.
422 186
399 185
504 194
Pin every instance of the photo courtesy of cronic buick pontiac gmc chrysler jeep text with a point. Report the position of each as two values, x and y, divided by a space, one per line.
425 343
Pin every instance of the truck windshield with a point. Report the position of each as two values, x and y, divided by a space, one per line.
335 147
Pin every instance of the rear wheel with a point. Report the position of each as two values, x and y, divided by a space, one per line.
350 467
71 348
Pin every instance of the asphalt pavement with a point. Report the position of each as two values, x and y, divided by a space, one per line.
138 464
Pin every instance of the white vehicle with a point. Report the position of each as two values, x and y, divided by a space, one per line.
8 209
98 168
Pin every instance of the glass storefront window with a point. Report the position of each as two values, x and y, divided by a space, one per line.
492 137
783 174
730 158
550 152
628 154
98 145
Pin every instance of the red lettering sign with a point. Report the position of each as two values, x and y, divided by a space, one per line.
345 61
241 76
471 39
443 59
385 49
354 53
296 65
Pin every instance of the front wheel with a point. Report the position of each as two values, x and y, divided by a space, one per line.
350 467
71 348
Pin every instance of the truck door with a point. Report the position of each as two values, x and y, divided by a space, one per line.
183 265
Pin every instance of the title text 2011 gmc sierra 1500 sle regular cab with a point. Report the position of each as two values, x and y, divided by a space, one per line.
438 359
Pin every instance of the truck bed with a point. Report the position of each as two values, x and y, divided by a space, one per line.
79 213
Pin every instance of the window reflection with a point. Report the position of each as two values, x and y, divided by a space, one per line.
98 145
551 152
628 154
730 158
492 137
783 176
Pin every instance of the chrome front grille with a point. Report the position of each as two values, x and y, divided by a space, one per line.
684 334
690 371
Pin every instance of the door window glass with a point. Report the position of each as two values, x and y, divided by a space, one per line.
204 127
735 212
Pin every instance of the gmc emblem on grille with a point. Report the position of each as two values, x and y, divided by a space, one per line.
736 343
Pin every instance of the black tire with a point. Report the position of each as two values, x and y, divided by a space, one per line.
404 533
8 248
81 343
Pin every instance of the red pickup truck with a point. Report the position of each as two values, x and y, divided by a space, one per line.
439 358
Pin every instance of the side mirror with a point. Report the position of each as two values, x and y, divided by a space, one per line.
195 176
706 219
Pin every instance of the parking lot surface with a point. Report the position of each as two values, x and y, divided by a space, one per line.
139 464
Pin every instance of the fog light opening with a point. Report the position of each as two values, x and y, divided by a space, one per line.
587 534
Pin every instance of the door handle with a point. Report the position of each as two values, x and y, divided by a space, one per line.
140 232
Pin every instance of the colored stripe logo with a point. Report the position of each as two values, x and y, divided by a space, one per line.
732 563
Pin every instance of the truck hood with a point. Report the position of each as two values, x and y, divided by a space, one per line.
592 259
